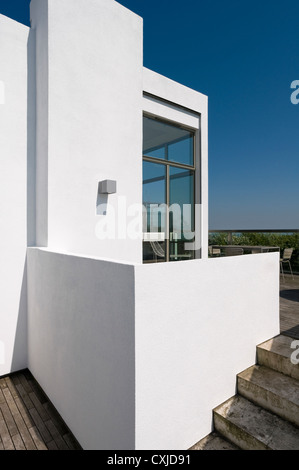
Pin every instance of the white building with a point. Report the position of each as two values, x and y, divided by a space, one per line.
133 354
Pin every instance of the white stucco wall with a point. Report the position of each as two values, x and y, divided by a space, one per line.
91 52
13 194
81 345
137 356
197 326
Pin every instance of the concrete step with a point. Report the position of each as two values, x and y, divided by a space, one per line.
250 427
276 354
214 442
271 390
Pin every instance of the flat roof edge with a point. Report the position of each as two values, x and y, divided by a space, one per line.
160 86
7 20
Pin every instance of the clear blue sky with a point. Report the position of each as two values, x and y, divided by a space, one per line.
243 54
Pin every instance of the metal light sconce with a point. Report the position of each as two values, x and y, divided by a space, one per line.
107 187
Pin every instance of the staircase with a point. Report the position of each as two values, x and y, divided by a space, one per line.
264 415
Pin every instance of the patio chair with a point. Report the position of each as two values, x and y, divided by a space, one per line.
158 250
214 251
233 251
286 258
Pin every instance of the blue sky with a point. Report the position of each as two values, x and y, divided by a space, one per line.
244 55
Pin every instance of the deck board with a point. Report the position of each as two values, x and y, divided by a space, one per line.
28 420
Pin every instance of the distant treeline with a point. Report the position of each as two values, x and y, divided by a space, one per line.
282 240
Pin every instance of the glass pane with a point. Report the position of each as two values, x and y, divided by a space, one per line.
154 215
181 218
156 153
154 139
167 142
182 151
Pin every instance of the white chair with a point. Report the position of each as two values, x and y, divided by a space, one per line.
286 257
214 251
158 250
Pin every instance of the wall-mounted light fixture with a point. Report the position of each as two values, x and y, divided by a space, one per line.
107 187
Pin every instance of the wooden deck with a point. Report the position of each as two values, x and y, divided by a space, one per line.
28 421
289 306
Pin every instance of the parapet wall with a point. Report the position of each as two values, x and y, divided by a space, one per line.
137 356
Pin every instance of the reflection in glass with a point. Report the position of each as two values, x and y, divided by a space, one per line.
182 151
168 191
154 202
167 142
181 218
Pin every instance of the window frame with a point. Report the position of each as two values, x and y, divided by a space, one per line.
169 163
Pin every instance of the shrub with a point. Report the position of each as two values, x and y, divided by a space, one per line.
282 240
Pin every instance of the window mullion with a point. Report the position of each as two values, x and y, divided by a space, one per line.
167 222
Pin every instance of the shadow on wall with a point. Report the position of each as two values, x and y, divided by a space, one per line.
20 350
102 204
31 140
19 357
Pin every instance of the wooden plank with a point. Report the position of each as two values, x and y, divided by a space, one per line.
10 422
12 388
5 436
15 379
2 398
25 383
10 402
71 442
28 420
38 391
18 443
61 444
52 446
1 443
40 426
55 417
52 429
2 383
25 397
20 423
37 439
27 374
24 413
41 410
25 434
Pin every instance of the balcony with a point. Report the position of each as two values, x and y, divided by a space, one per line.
113 323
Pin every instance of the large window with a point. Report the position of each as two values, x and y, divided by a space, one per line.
168 191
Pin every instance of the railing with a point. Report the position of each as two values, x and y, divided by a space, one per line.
282 238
